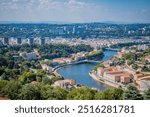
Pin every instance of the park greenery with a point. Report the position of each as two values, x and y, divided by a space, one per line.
95 55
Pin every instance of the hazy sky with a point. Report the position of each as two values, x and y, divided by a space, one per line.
75 10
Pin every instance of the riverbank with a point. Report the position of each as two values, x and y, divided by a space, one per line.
75 63
69 64
96 78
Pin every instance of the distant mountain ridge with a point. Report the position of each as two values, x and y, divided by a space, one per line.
56 22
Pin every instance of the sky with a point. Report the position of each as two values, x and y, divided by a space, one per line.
75 11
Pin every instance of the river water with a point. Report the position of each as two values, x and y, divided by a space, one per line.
80 72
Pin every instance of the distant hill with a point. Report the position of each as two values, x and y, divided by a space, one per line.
45 22
56 22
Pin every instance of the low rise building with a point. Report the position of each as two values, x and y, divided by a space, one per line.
112 74
5 41
142 47
62 60
125 79
148 58
46 67
79 56
67 83
101 70
29 56
144 83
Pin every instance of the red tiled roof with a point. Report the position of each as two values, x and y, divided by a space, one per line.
34 82
147 56
114 72
144 78
1 98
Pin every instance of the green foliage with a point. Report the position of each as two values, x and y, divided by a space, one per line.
30 92
83 93
130 56
46 81
11 89
27 77
145 69
40 73
119 62
58 94
1 71
96 55
61 50
135 66
132 93
99 65
143 60
130 62
109 94
53 93
121 45
3 83
147 94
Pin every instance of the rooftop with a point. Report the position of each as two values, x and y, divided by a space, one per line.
2 98
145 78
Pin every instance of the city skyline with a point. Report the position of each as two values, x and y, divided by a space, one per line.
75 11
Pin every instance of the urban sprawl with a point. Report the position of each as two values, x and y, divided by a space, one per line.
131 64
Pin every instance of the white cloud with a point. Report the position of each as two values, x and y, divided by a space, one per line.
75 2
144 10
66 10
43 4
46 10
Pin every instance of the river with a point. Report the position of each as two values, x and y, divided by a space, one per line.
80 72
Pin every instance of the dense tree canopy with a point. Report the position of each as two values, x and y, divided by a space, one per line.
132 93
147 94
109 94
95 55
27 77
10 89
81 94
30 92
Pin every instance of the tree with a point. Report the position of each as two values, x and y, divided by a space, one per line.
30 92
1 71
109 94
40 73
53 93
3 83
96 55
8 74
83 93
46 81
59 93
27 77
12 89
99 65
129 62
132 93
135 66
147 94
